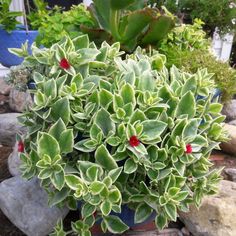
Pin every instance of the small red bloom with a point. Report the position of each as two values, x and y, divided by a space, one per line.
64 64
188 149
133 141
21 146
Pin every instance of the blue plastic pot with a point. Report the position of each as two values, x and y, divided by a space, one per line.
127 216
14 40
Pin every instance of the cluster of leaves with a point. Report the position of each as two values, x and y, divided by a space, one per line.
54 24
8 19
215 13
186 37
191 61
106 131
187 48
132 23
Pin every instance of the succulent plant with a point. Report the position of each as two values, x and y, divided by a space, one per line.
132 23
106 131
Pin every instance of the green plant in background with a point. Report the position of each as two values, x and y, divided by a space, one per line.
215 13
106 131
54 24
131 23
224 75
188 48
8 20
186 37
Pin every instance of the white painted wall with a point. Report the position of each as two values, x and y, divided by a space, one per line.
18 5
222 45
87 2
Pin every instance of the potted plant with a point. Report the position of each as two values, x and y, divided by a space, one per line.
111 132
48 26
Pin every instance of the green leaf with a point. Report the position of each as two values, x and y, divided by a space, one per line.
121 4
115 173
57 128
152 129
48 145
128 94
171 211
96 187
215 108
186 105
45 173
106 208
58 180
66 141
104 121
114 196
115 225
61 109
105 98
158 29
58 197
103 157
142 213
87 210
73 181
161 221
50 88
130 166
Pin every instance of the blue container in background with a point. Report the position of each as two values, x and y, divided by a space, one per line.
14 40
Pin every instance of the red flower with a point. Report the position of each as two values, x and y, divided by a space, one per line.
133 141
64 64
188 149
21 146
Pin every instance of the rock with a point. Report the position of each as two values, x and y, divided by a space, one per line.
217 214
4 87
164 232
14 162
18 100
9 127
185 231
233 122
229 110
25 204
230 146
231 173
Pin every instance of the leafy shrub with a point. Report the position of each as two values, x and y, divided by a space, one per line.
8 19
106 131
54 25
215 13
191 61
132 23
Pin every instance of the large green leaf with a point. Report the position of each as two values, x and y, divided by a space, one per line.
57 129
66 141
143 211
103 120
61 109
186 105
115 225
158 29
103 157
120 4
133 24
152 129
128 94
48 145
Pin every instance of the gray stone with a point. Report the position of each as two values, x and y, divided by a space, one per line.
230 145
4 87
231 172
18 100
14 162
232 122
25 204
229 110
217 214
9 127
